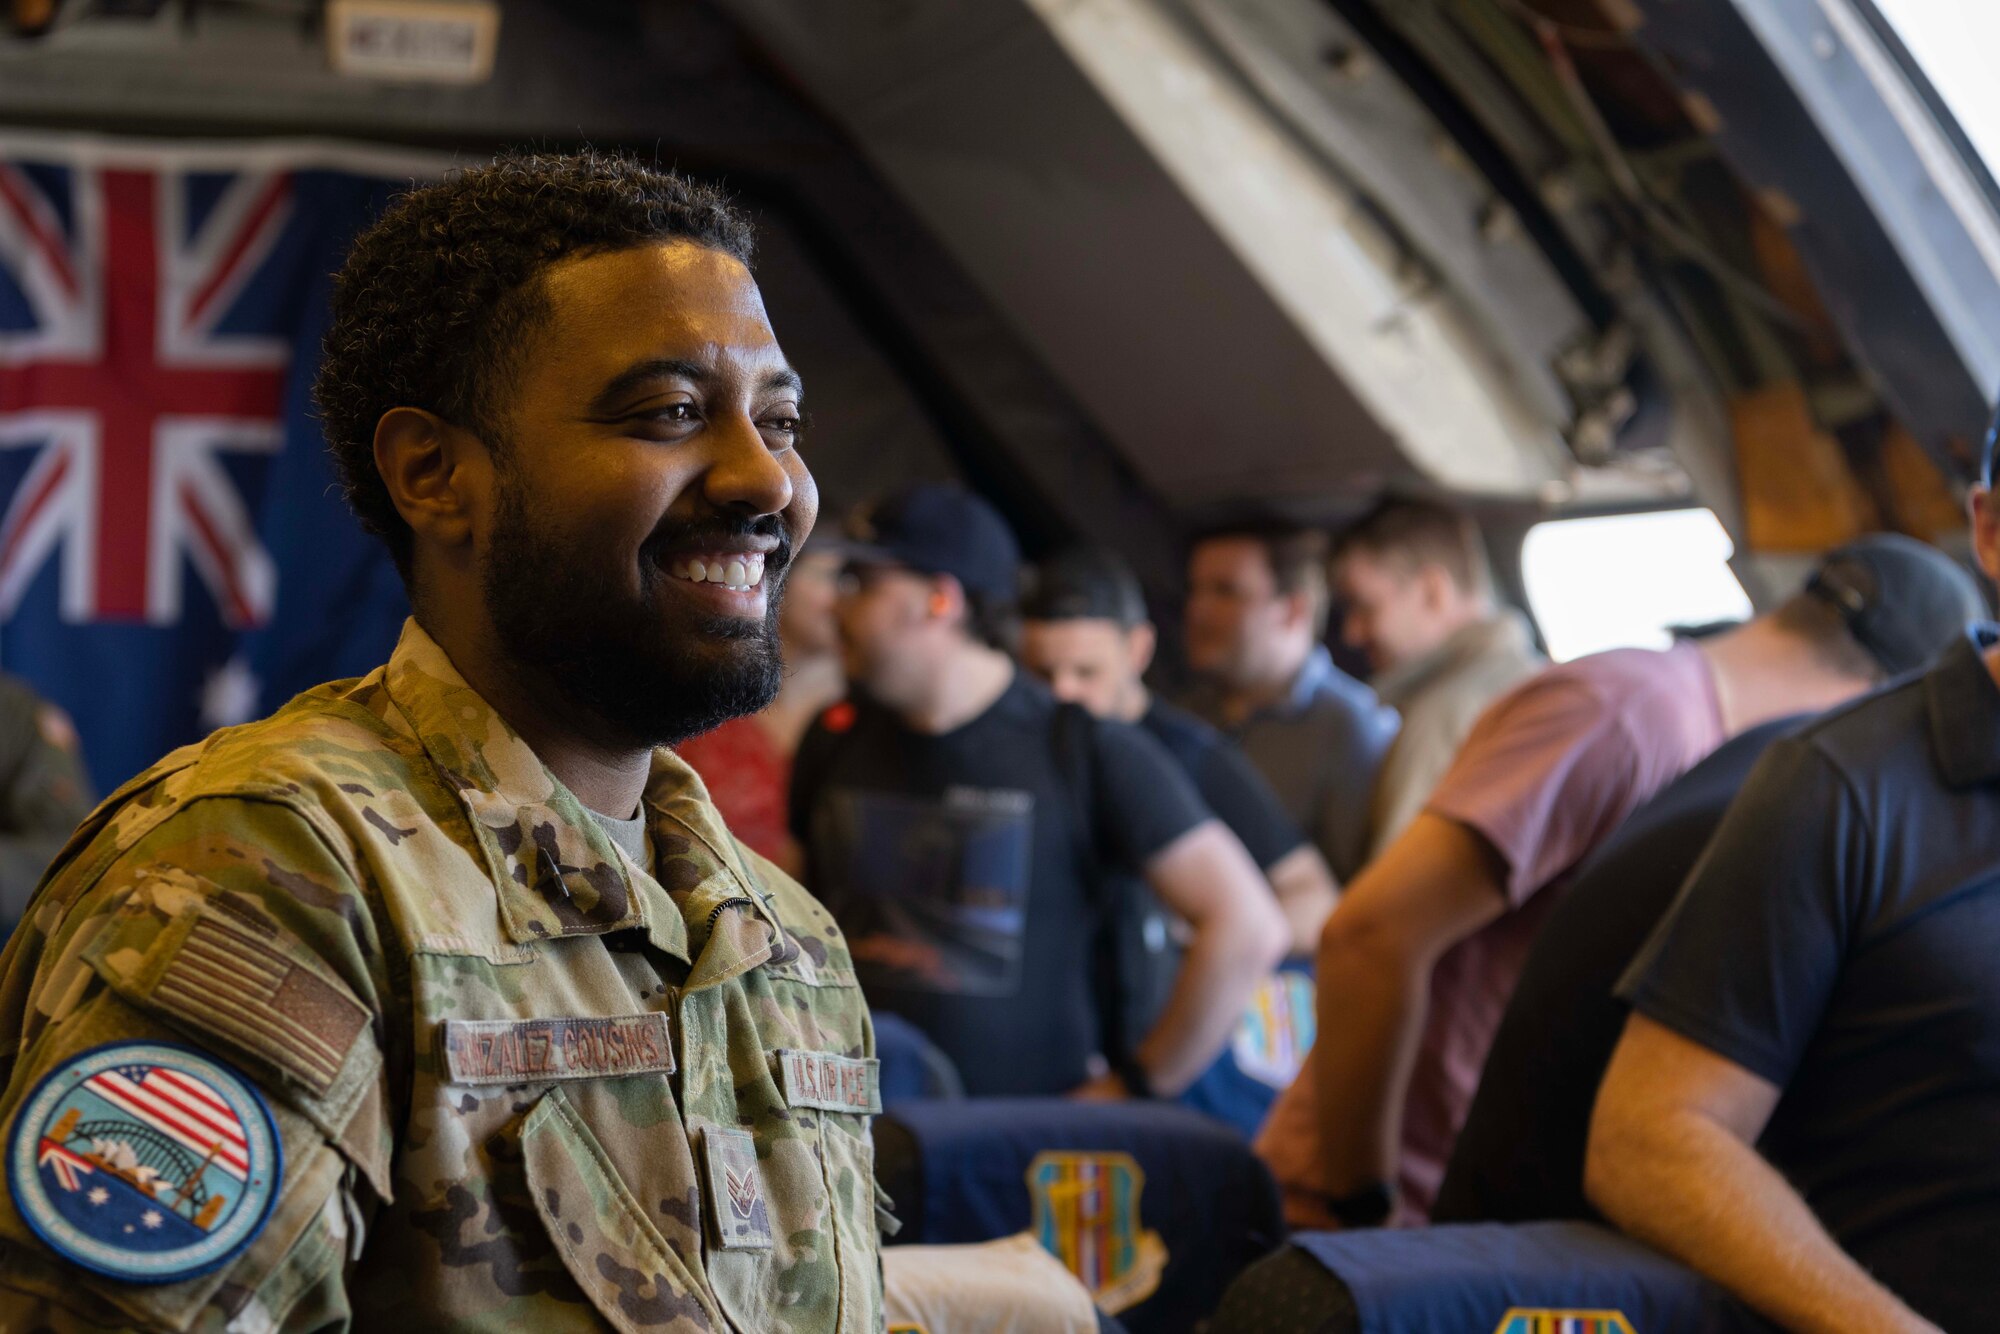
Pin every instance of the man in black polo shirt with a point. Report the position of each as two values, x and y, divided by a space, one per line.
1805 1105
1883 606
1086 633
940 813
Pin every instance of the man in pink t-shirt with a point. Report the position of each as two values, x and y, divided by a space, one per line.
1418 962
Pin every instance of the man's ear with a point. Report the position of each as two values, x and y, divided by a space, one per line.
438 475
1437 586
1986 530
947 599
1142 641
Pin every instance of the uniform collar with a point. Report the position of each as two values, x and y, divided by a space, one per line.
554 870
1964 707
730 918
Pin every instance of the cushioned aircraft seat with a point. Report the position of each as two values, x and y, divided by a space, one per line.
1264 1053
1527 1278
1154 1207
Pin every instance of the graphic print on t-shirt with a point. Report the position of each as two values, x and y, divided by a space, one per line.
933 891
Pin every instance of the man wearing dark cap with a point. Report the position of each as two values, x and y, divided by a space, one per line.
1520 1154
1805 1103
962 826
1086 633
1418 962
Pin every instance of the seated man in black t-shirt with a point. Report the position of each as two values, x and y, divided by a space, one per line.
943 826
1087 634
1805 1105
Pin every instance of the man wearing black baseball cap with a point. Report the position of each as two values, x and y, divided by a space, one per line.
963 826
1519 1155
1805 1103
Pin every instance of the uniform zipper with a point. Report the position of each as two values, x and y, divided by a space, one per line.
676 1034
739 901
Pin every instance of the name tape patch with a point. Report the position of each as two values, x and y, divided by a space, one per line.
829 1082
149 1162
531 1051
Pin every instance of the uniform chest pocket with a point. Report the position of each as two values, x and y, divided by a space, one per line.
814 1173
816 1186
847 1156
612 1250
840 1093
762 1067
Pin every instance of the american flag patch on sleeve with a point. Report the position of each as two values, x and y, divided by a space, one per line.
233 978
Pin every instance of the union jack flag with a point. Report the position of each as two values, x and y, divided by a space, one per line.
172 556
70 1169
130 393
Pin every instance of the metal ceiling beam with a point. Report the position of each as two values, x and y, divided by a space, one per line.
1902 242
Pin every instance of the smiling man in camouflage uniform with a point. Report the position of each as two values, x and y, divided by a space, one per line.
442 998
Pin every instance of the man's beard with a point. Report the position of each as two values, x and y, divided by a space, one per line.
649 676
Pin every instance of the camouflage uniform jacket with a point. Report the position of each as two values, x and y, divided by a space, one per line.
394 855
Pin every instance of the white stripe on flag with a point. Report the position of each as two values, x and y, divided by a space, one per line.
194 1087
168 1120
201 1111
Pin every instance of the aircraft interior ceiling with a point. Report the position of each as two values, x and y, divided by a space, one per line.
1131 264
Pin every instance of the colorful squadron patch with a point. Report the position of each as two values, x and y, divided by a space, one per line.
1087 1216
146 1161
1276 1030
1522 1320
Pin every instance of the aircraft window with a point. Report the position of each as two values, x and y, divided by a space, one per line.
1623 580
1953 44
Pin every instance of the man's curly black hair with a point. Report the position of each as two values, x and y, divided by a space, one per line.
437 301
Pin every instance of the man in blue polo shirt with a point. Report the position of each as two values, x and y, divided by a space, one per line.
1805 1105
1255 619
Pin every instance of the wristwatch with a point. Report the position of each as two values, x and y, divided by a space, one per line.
1368 1207
1134 1077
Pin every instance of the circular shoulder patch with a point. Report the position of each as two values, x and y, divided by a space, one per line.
145 1161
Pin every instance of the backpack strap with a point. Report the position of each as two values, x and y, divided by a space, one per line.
1076 764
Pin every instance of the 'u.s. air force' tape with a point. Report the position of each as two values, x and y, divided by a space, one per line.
145 1161
830 1082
